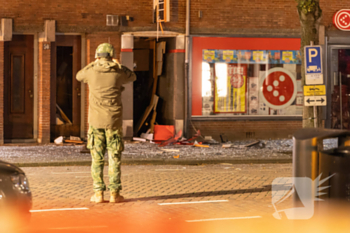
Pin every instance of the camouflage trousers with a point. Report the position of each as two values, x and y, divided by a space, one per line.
98 141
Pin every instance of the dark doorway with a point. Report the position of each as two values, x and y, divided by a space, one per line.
64 79
143 60
18 87
65 89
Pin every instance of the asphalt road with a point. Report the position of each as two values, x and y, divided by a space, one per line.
210 198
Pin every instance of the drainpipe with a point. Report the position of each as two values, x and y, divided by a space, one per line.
187 42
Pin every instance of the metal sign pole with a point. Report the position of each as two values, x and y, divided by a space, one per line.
315 107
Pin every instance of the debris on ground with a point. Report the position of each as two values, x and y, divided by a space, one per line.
273 148
172 140
59 140
242 146
200 145
209 140
147 136
222 139
176 157
170 150
163 132
139 139
252 144
73 141
74 138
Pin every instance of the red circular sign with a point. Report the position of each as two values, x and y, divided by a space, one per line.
237 80
341 20
278 88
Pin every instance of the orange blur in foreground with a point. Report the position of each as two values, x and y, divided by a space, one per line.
336 219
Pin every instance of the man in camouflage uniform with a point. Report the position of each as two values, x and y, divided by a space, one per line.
105 78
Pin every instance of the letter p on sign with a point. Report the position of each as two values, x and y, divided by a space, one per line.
313 65
312 54
313 59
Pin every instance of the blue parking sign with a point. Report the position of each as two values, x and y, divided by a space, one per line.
313 60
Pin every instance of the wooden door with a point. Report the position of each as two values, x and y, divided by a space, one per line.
18 87
65 89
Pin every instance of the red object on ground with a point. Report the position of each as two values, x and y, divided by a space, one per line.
172 140
163 132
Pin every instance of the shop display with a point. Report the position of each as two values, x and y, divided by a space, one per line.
253 95
251 82
208 105
233 99
252 56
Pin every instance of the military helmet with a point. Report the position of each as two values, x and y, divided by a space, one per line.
104 50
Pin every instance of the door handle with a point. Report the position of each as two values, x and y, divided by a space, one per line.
335 79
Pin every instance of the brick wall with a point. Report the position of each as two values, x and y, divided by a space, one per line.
1 92
218 17
84 16
239 130
255 16
44 93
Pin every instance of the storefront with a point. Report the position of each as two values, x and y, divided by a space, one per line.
338 64
244 83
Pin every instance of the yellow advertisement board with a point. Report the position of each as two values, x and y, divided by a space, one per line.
235 99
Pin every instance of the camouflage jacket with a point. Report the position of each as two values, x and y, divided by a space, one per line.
105 79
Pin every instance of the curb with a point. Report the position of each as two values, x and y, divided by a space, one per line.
160 162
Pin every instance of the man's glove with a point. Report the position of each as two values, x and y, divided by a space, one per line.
116 61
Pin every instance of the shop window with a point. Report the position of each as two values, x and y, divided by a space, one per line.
251 82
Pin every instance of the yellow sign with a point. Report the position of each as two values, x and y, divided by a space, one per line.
287 56
227 55
235 85
209 55
258 56
315 90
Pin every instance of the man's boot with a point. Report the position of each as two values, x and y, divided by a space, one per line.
97 197
116 197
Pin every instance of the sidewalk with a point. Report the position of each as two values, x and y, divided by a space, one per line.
267 151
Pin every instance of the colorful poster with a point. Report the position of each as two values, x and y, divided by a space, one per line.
291 57
274 56
297 57
252 56
235 99
209 55
259 56
227 55
244 56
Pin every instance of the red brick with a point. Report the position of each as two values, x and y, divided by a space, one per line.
44 94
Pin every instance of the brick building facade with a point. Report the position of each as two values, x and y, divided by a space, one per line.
64 36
